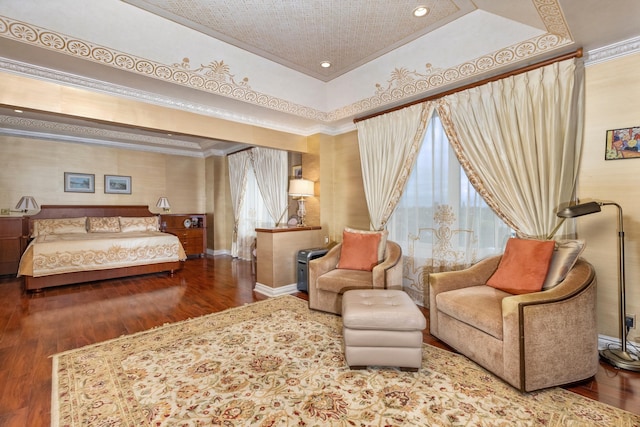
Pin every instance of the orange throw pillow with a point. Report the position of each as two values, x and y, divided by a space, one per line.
523 267
359 251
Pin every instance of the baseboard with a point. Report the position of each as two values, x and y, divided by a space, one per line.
605 341
275 292
218 252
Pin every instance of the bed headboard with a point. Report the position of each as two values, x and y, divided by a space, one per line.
74 211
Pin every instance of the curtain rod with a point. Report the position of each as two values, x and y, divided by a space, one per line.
575 54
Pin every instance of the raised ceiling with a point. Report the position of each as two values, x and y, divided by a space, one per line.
258 62
302 34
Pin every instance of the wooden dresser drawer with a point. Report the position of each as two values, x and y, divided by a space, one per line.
11 227
13 242
193 238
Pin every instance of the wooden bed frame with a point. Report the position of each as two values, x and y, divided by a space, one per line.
74 211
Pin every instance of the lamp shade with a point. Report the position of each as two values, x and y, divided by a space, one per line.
579 210
300 188
163 203
26 203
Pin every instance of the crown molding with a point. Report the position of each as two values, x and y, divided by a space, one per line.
613 51
96 141
59 77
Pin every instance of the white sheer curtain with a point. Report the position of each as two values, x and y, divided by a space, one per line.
388 146
519 140
271 169
253 214
239 163
440 221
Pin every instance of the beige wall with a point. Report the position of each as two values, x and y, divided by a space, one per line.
612 102
36 168
342 202
219 197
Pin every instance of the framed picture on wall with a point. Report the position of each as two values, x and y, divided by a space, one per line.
623 144
79 182
296 172
116 184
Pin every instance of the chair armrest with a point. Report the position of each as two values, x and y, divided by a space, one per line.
381 273
476 275
547 326
580 277
319 266
325 263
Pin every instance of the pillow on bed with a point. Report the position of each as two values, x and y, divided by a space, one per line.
104 224
143 223
43 227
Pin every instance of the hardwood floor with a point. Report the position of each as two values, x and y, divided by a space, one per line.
34 327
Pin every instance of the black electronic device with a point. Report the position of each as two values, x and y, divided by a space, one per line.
304 256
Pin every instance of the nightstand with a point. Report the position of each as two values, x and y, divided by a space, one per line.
13 241
191 229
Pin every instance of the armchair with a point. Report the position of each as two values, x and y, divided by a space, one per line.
327 283
533 340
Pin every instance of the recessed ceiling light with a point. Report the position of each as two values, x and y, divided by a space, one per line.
420 11
18 111
325 64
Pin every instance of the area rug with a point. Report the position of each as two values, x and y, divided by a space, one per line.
276 363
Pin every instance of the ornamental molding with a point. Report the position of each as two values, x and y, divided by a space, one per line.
208 78
93 132
38 134
20 68
217 78
616 50
66 132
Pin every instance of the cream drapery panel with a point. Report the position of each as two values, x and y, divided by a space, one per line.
519 140
270 167
239 163
388 147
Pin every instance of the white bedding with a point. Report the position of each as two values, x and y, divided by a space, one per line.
64 253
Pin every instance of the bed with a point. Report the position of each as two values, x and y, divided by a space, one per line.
83 243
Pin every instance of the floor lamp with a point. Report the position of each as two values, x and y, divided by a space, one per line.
616 357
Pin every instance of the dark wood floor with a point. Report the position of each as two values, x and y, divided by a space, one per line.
34 327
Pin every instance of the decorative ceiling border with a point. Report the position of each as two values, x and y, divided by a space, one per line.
217 78
213 79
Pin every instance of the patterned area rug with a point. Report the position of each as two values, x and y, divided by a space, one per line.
276 363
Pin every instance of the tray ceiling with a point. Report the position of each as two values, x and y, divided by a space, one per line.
258 62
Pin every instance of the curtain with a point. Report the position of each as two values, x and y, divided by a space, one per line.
253 214
388 146
270 167
519 140
441 222
238 166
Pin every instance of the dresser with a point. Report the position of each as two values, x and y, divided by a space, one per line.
13 241
191 229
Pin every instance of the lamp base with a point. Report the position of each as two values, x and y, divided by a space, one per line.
620 359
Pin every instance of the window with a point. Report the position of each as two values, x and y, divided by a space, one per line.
441 222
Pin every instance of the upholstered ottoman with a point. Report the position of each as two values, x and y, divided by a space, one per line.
382 327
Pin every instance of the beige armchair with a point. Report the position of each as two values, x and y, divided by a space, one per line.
532 341
327 283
